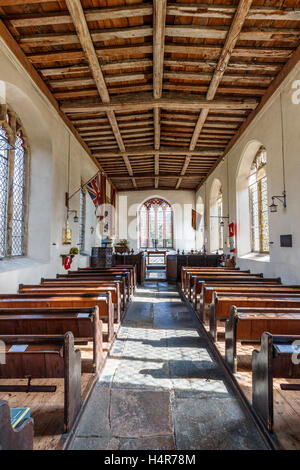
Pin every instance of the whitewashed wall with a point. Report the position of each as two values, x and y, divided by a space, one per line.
266 129
182 202
48 140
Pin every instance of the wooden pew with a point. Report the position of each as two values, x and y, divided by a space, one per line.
217 271
206 296
79 289
125 289
14 438
127 274
69 281
28 300
107 272
200 283
123 268
84 324
47 356
248 324
221 305
188 273
278 358
242 277
186 269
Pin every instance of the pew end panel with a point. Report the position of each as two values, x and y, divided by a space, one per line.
72 381
18 438
230 340
273 360
59 361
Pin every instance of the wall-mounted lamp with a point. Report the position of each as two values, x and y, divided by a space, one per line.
282 199
221 219
76 219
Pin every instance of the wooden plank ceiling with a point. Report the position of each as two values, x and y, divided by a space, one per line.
156 90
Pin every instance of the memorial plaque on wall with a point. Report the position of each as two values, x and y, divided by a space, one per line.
286 241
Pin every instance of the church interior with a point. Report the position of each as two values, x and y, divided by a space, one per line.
149 215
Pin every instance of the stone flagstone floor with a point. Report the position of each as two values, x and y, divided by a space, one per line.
161 388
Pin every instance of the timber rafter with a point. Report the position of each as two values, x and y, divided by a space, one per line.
156 91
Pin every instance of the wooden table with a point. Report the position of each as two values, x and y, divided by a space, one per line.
157 253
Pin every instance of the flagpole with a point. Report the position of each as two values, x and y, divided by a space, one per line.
74 194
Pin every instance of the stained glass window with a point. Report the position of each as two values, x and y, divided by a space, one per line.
156 224
12 195
258 201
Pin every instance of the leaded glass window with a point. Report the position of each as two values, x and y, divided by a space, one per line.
13 182
220 215
18 198
4 169
156 224
258 201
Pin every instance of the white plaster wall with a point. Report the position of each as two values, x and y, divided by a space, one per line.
266 128
48 140
182 202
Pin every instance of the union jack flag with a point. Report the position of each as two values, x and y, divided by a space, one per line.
93 188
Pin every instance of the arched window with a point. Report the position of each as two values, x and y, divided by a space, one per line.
216 214
258 202
82 219
220 215
156 224
13 190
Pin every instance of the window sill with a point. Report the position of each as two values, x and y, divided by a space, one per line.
15 264
265 258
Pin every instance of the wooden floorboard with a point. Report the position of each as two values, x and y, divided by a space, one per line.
286 403
47 409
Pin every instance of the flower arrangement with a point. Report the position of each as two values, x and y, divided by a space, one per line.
123 243
122 246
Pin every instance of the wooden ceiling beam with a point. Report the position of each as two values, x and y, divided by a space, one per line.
84 38
178 31
76 82
93 14
108 67
141 176
231 40
239 79
227 11
170 151
148 187
159 25
104 53
60 39
42 87
79 21
144 102
288 67
207 51
210 65
194 10
221 32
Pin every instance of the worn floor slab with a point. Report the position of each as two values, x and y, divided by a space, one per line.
162 387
